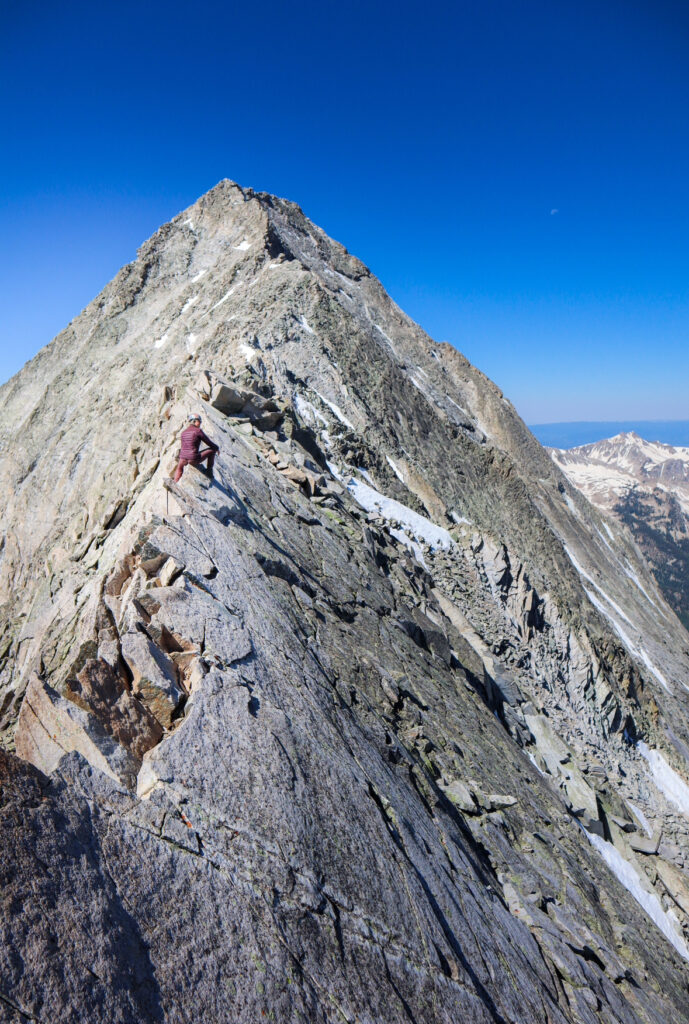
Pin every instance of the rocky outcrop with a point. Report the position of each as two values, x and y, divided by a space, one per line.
349 732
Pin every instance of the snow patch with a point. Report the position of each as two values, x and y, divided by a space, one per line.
405 539
243 246
666 778
582 572
366 475
641 818
189 222
656 672
420 527
336 409
161 341
629 877
189 303
456 405
198 276
394 468
225 297
306 325
387 339
422 388
635 579
632 647
309 413
571 506
191 342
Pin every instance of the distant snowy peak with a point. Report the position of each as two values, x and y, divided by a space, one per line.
608 469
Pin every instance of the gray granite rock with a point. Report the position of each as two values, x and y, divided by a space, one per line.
384 742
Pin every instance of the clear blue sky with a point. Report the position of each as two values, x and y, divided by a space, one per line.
433 140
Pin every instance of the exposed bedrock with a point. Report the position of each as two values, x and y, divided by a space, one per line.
370 727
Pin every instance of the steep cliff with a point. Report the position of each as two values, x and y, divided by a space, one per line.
361 730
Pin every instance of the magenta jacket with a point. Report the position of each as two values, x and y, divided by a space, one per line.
191 442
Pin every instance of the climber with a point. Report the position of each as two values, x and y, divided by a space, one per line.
191 453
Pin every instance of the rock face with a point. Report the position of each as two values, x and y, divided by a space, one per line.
643 485
379 725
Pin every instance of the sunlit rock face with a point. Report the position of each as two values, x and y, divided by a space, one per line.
383 723
643 485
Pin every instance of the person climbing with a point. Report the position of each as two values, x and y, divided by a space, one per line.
191 453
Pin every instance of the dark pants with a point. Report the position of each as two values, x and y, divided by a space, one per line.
207 454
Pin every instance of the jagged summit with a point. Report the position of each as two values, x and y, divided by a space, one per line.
351 732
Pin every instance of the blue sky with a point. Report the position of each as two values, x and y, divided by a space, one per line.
434 140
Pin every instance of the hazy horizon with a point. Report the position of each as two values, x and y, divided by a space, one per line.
574 433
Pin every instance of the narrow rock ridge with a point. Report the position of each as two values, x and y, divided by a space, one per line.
364 728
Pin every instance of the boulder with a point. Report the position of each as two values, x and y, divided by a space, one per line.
154 676
461 797
51 726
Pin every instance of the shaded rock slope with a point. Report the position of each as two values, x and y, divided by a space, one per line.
385 723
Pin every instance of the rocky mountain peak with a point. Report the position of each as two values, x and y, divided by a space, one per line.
383 722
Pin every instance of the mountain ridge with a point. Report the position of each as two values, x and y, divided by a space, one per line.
307 690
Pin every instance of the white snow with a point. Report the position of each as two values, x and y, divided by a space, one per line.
666 778
366 475
381 331
331 465
243 246
394 468
571 506
189 222
641 817
420 527
405 539
336 409
422 388
608 531
456 518
627 874
309 413
161 341
223 299
197 277
582 572
452 401
189 303
306 325
248 351
635 579
633 648
652 668
191 342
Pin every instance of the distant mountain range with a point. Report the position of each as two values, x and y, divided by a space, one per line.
645 485
572 435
